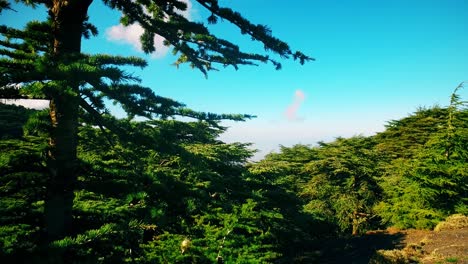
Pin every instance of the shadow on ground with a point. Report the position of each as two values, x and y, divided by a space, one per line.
354 250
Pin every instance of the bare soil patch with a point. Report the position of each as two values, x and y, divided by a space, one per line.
448 243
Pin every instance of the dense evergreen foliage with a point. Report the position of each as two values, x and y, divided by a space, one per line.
343 187
430 180
78 185
165 191
178 195
44 60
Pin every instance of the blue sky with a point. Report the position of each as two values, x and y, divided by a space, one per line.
375 61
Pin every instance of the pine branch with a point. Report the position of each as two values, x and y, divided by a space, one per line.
97 119
161 18
257 32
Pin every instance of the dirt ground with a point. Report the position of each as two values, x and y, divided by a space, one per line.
431 247
448 244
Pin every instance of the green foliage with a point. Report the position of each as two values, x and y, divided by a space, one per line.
12 119
22 180
404 138
165 191
278 179
44 60
190 187
106 190
343 187
440 169
404 206
429 182
193 41
287 167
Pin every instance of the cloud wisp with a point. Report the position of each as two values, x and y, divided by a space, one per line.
291 111
132 33
27 103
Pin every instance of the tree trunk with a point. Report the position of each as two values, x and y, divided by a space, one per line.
62 166
355 229
67 18
355 223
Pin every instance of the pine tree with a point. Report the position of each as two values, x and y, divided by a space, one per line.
141 194
277 181
22 180
440 169
342 186
45 60
12 119
182 201
404 138
424 164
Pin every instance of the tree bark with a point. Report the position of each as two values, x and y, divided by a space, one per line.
355 229
67 24
355 224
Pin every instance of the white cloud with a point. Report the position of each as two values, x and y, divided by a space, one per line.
131 35
291 111
28 103
190 10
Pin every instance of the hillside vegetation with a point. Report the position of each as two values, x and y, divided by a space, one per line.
166 191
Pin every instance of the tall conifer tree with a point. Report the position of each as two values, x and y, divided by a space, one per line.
45 61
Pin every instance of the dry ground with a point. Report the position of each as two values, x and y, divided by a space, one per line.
447 243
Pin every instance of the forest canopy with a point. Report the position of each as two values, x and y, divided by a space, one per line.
44 60
79 185
172 192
